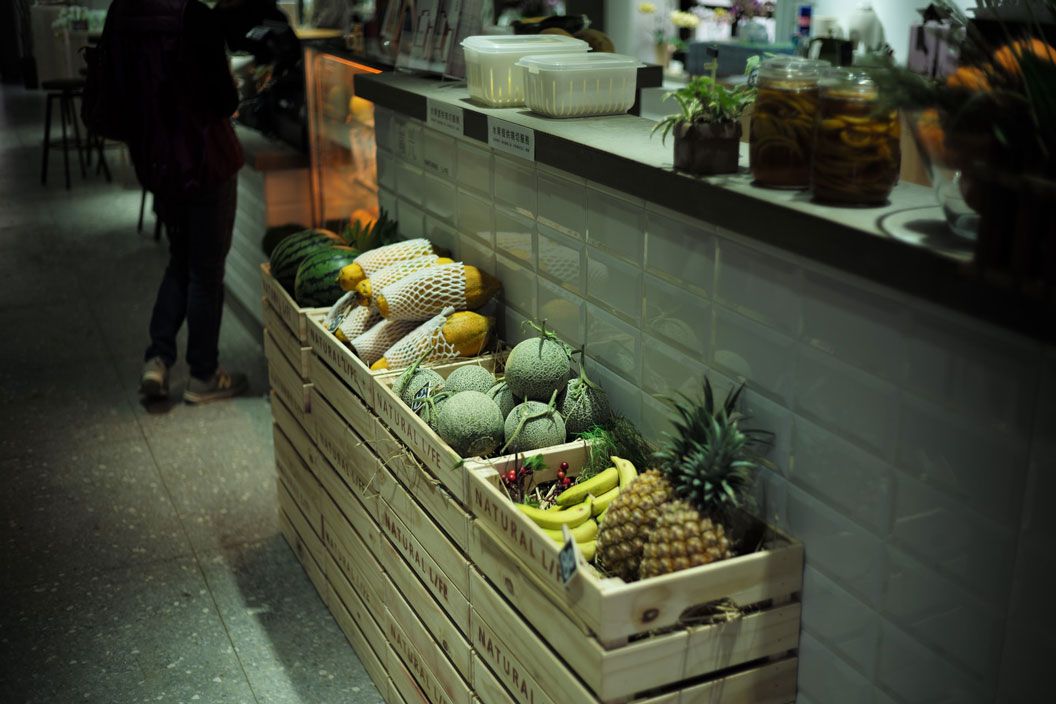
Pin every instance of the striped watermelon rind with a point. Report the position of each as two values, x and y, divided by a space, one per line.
316 284
289 254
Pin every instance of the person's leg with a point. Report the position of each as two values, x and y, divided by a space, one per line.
170 305
211 221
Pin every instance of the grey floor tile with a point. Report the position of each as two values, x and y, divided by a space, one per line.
289 645
43 337
75 511
131 635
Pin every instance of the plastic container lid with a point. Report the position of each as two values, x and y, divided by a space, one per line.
519 43
578 62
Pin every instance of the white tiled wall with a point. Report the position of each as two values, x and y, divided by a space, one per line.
915 450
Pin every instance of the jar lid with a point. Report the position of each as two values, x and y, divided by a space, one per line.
577 62
849 81
792 67
520 43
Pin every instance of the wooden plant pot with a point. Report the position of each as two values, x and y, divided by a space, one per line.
707 149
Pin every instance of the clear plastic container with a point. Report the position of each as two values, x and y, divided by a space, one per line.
578 85
491 70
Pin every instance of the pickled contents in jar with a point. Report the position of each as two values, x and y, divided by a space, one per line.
782 136
856 152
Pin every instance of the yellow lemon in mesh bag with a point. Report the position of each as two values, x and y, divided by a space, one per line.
372 260
462 334
428 291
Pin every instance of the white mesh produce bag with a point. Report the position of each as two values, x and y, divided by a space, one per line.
426 292
339 310
374 343
427 337
400 270
358 321
376 259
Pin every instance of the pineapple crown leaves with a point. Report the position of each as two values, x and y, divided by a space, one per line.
709 458
370 235
550 409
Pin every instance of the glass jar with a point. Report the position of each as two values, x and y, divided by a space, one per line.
856 147
782 129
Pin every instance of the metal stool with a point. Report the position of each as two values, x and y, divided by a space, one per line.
66 90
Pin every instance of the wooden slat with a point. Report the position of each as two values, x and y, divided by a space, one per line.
300 524
404 682
364 616
768 683
297 352
299 435
486 686
454 603
347 366
300 481
284 305
375 666
340 397
343 514
285 381
345 451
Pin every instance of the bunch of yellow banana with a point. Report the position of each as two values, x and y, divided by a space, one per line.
582 506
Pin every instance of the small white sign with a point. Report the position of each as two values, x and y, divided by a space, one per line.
510 138
444 117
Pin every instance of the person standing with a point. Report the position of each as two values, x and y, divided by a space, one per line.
167 72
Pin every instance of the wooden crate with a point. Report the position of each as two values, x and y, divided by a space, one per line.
403 682
352 372
299 435
296 351
287 310
345 516
431 668
284 380
299 480
393 696
369 619
375 666
533 673
303 554
308 539
486 685
345 451
454 603
341 399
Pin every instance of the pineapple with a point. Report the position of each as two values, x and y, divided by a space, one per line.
370 234
680 539
622 534
679 517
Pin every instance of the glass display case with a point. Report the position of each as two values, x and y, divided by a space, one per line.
341 140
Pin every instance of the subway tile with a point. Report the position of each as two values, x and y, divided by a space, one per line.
915 674
614 285
475 217
984 373
438 153
624 397
442 235
857 325
514 185
763 414
959 542
854 404
562 259
407 140
826 678
681 252
439 197
411 219
614 342
383 128
515 236
386 170
562 204
656 419
759 285
474 252
840 621
844 550
677 316
563 311
765 358
667 372
851 479
515 328
770 499
616 224
474 167
518 285
985 470
409 182
941 614
387 201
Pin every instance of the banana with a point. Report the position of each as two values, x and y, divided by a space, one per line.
601 516
601 503
553 520
596 485
588 549
626 470
583 532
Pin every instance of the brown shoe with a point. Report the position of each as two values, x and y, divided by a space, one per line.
220 386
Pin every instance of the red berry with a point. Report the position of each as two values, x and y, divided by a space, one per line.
564 466
560 474
567 481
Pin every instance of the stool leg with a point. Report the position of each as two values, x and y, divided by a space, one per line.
102 160
65 144
72 112
142 207
47 141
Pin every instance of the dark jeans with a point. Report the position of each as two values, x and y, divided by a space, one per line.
199 230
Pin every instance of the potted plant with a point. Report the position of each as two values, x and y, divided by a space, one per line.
707 127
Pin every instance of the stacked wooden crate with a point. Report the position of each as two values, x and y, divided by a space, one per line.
436 588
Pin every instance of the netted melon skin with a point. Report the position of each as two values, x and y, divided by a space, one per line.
470 423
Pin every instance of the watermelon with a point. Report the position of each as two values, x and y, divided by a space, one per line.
275 235
316 284
289 254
